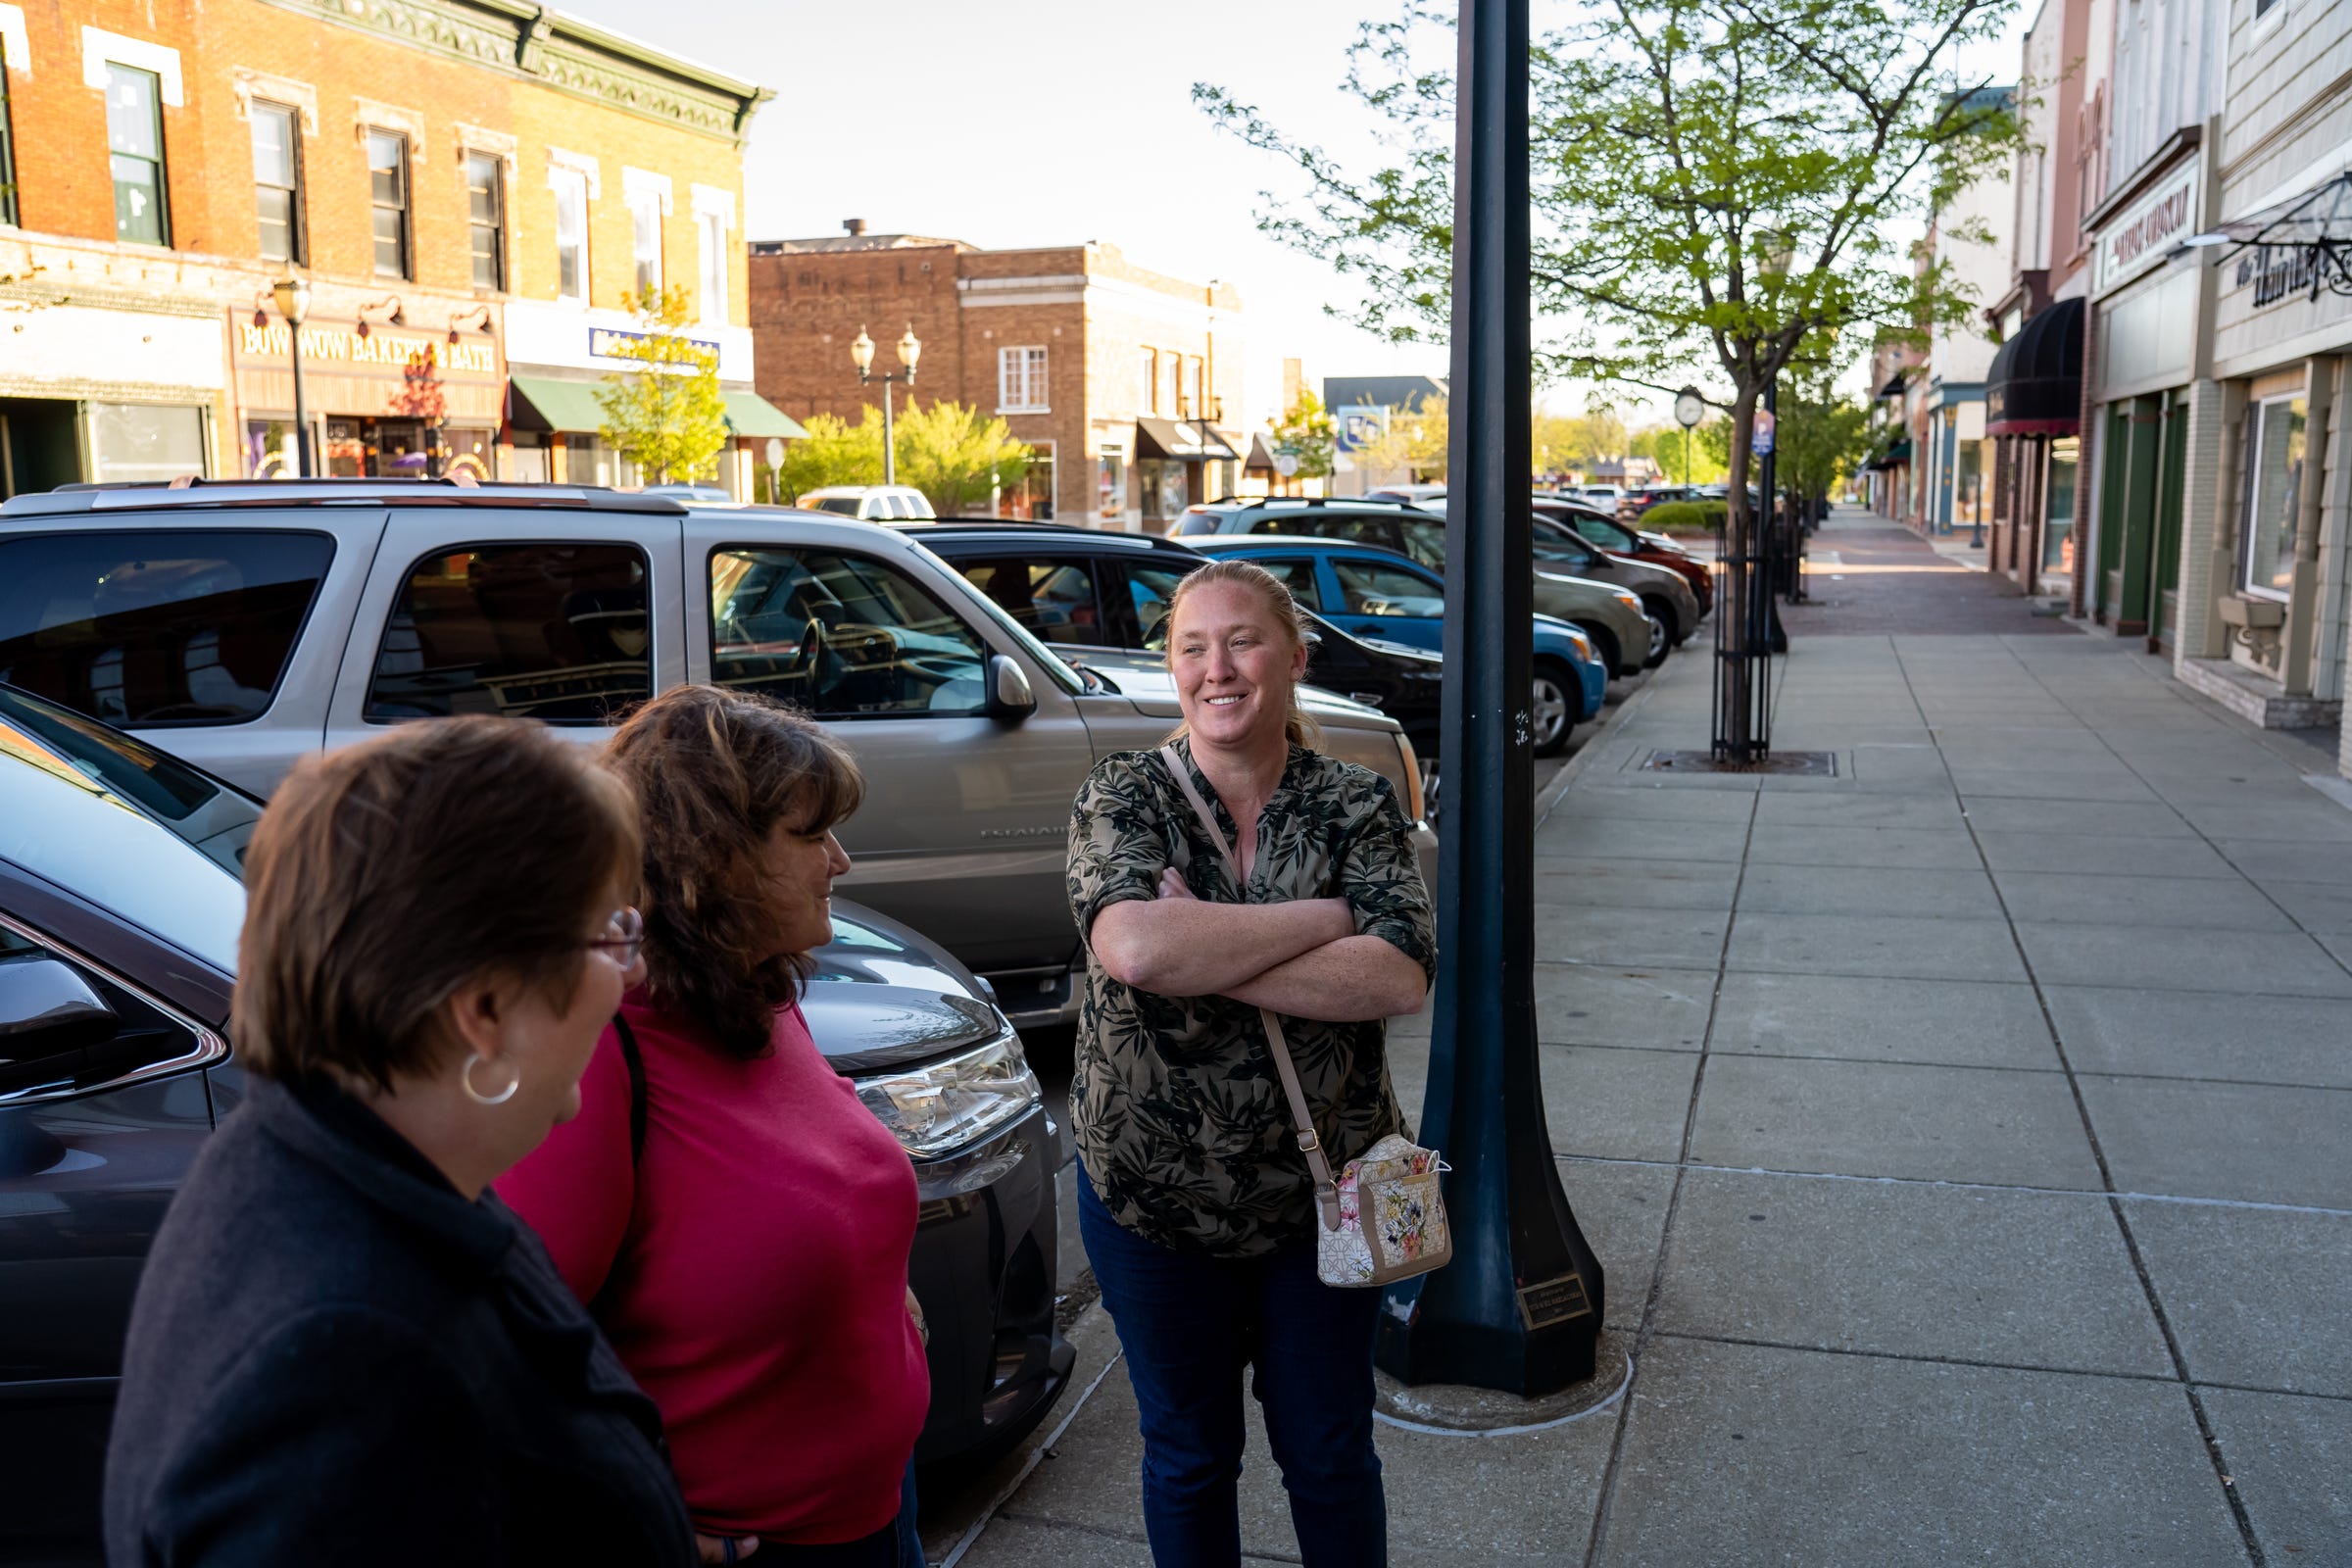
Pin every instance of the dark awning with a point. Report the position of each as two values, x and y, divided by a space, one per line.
1262 457
1894 457
2035 387
543 402
1183 440
1894 387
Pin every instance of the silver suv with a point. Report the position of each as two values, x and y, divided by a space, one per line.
240 626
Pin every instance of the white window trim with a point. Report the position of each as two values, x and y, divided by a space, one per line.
713 202
2259 409
559 175
703 243
101 49
477 140
642 184
1024 349
367 115
15 41
245 85
559 162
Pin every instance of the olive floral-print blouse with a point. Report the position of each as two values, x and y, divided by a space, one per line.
1177 1111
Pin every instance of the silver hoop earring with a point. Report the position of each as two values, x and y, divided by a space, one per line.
466 1081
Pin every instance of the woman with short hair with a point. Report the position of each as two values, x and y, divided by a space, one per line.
1197 1208
344 1350
749 1260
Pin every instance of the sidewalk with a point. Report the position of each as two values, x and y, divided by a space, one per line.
1968 1137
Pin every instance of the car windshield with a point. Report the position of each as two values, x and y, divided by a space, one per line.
119 824
1069 679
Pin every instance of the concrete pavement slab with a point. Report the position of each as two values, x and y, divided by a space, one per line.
1744 1455
2000 814
1875 944
2118 783
2291 1458
1573 882
2285 860
1683 938
1961 1023
1857 809
1621 1207
1618 801
2166 958
2261 1297
2257 1142
2321 907
1634 1005
2186 1034
1787 844
2045 898
2315 821
1581 833
1868 890
2102 854
1609 1104
1911 1269
1861 1119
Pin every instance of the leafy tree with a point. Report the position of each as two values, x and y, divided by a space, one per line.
1822 436
956 457
835 451
668 417
1427 437
1309 434
1663 445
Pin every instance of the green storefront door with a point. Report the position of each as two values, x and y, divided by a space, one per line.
2163 608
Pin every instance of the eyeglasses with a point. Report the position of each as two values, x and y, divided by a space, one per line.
624 938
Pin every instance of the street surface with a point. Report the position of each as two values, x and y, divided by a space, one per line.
1968 1137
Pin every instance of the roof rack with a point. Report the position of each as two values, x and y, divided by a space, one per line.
457 490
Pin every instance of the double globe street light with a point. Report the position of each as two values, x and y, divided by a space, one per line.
861 355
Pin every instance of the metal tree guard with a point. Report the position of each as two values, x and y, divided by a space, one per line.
1519 1308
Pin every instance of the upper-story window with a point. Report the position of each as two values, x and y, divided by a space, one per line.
710 229
1021 380
278 181
388 193
134 143
1146 382
8 163
1171 373
644 229
571 233
486 218
1188 397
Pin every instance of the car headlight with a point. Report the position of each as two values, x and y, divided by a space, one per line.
943 1105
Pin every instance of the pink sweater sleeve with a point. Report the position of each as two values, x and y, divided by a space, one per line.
578 1187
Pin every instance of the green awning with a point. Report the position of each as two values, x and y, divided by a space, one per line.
541 403
750 415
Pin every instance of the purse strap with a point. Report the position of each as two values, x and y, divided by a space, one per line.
1327 1191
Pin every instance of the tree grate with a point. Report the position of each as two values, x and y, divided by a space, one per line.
1795 764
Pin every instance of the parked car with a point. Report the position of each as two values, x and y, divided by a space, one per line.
688 492
120 899
1101 599
1371 591
1657 495
875 503
1624 539
1419 532
240 626
1601 495
1412 494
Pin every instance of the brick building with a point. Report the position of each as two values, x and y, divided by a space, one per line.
466 186
1119 376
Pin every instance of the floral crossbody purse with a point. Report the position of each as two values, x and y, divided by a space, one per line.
1384 1218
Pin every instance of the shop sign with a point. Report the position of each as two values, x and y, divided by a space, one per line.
2281 271
2137 238
613 343
1361 425
326 347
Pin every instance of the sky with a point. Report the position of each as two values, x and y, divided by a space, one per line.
1056 122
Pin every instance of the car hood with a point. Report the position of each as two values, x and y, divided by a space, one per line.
1144 681
884 995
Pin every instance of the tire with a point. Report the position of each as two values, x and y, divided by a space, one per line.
1661 611
1661 642
1604 648
1557 701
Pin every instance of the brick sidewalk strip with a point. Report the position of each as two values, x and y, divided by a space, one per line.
1968 1137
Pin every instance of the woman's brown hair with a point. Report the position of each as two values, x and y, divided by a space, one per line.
1296 726
714 770
386 876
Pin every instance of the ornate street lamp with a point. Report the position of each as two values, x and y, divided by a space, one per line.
861 355
293 297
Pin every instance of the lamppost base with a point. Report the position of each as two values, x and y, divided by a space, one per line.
1455 1409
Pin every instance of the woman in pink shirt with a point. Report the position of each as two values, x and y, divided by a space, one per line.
748 1262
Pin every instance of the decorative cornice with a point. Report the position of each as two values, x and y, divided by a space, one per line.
30 386
538 44
102 297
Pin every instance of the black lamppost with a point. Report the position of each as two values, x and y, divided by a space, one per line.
861 355
1520 1307
293 297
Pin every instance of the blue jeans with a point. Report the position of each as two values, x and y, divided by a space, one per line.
897 1545
1189 1324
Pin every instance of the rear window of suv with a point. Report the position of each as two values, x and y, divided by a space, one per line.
178 627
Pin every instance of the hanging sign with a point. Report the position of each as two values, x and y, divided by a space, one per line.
1761 432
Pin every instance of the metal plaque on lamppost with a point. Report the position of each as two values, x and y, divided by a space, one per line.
1519 1309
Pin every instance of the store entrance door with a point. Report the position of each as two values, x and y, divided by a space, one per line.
377 449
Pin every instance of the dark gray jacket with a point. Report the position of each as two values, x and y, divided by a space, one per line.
335 1358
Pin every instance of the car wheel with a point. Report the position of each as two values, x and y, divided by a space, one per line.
1661 643
1557 699
1662 611
1604 648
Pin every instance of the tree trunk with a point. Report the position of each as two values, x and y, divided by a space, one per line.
1734 704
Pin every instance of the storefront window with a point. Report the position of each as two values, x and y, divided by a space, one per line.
1968 486
1031 500
132 441
469 452
2275 462
1110 481
2058 518
269 450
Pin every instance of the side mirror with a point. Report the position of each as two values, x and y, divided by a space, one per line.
47 1011
1008 691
